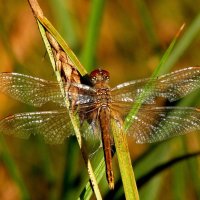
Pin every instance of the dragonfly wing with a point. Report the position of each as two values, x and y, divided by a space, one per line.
35 91
178 84
160 123
91 136
30 90
55 126
172 86
128 91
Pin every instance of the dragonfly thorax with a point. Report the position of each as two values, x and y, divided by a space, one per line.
103 97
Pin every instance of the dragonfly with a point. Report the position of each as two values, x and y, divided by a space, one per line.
97 105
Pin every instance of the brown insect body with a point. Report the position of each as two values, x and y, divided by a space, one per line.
99 79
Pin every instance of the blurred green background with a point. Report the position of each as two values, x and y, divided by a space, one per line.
127 38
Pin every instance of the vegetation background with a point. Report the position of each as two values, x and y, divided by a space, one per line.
127 38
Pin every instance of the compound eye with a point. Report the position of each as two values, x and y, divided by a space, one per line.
95 73
106 74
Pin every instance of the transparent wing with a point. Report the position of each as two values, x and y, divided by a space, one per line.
91 136
172 86
35 91
55 126
160 123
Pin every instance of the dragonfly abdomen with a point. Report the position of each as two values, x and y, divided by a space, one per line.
104 119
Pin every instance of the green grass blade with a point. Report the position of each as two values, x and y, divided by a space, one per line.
125 165
179 181
89 49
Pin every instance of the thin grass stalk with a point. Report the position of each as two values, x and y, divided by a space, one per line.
72 117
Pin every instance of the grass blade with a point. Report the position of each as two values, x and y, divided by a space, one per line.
124 160
89 49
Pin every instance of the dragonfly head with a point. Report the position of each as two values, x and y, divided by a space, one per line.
99 75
